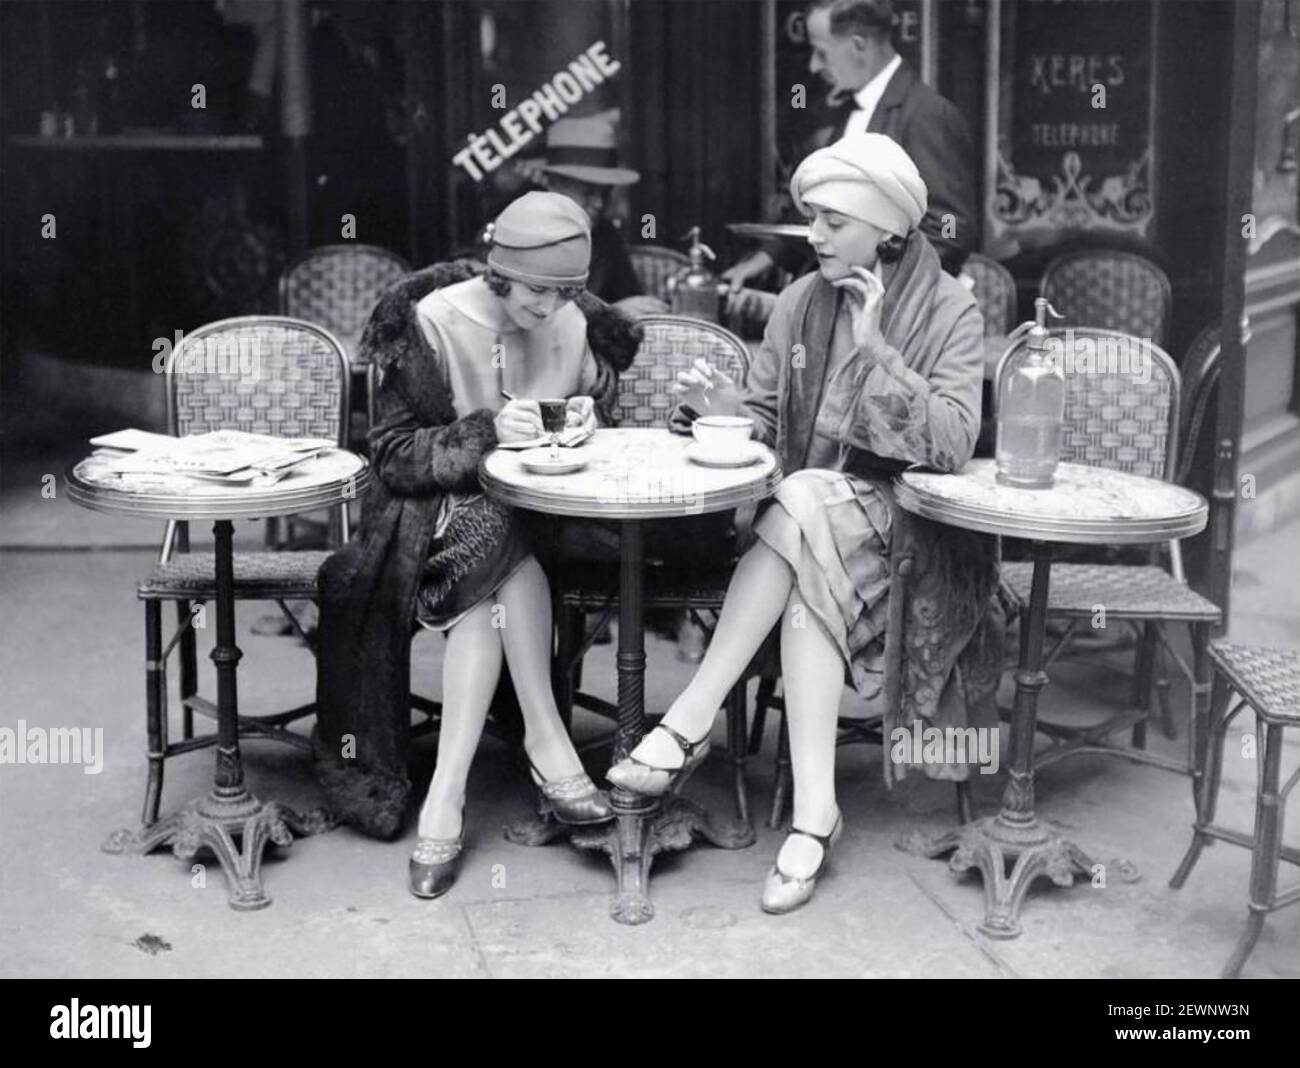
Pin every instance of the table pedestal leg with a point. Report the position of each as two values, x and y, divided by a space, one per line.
230 810
1015 833
642 826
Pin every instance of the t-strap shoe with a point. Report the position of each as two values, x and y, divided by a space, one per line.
641 778
434 865
785 893
573 800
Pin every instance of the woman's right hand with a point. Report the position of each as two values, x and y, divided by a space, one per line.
519 420
707 390
753 265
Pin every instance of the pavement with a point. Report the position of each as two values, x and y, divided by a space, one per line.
71 651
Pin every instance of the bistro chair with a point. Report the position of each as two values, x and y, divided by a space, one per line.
672 343
337 287
995 291
1109 290
1115 422
1200 374
1268 682
654 265
300 390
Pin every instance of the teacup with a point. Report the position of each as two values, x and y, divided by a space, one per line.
722 434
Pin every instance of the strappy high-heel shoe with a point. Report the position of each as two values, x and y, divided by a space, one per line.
638 777
573 800
434 866
785 893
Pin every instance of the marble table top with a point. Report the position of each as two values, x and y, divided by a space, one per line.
332 477
631 473
1089 505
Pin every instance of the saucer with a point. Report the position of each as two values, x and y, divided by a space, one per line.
540 462
742 457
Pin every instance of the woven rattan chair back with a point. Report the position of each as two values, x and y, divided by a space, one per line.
1109 290
654 265
1200 371
1121 401
266 374
337 286
995 291
673 343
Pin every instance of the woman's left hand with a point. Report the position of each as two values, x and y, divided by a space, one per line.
866 296
581 412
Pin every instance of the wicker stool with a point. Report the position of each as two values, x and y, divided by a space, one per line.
1268 680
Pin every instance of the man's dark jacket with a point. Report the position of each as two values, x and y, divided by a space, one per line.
612 276
932 131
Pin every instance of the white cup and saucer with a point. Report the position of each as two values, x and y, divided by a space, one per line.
723 441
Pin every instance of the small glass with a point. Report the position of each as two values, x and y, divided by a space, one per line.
554 413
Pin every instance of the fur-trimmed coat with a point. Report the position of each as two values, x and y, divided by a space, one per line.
419 451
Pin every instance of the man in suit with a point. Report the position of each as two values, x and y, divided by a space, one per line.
853 52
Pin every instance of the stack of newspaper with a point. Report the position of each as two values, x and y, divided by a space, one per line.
231 457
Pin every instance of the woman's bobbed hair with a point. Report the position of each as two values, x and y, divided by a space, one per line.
499 284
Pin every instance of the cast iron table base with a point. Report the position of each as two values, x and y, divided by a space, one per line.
643 827
230 810
1015 833
215 821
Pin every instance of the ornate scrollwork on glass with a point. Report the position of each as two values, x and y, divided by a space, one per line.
1074 200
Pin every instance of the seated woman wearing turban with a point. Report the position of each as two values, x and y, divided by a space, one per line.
868 365
434 550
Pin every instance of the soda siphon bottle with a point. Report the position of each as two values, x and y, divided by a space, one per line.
1030 408
695 290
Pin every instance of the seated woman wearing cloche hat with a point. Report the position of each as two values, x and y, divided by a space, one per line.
868 365
434 549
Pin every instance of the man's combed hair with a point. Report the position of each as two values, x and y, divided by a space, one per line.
868 18
500 285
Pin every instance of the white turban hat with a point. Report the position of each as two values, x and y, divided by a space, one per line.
865 176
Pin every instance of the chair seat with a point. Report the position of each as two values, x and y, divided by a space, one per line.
592 589
669 595
1126 591
259 576
1269 679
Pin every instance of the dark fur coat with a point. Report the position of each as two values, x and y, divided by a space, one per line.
419 451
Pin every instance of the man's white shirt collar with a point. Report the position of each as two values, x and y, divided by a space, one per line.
868 97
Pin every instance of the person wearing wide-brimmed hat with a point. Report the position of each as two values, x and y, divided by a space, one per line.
435 551
890 373
582 162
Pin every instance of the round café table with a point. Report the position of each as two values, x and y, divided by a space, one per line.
231 809
1086 505
631 475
